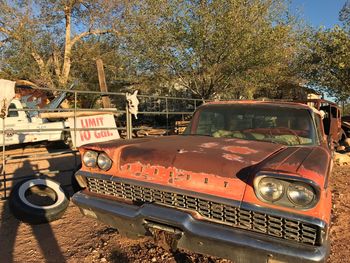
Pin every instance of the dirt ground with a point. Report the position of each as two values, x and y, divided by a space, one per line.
75 238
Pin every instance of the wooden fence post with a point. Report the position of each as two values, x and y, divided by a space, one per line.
102 81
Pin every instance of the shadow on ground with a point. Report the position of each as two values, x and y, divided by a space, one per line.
22 164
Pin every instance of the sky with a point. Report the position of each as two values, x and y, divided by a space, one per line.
319 12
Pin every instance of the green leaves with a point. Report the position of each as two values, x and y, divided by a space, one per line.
213 48
326 61
208 49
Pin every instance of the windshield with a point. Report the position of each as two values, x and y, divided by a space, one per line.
284 125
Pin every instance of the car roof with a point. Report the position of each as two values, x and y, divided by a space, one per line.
287 104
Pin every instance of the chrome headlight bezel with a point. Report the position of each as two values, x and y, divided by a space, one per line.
303 189
104 162
287 181
90 158
95 159
271 186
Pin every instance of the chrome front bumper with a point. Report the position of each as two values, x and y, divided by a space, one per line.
197 235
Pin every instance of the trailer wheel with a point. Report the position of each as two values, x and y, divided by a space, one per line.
37 201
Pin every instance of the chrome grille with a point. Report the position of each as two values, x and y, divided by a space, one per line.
225 214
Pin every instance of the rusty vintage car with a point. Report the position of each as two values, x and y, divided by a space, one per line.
346 126
247 181
332 119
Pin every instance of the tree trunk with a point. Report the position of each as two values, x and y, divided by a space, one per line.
63 77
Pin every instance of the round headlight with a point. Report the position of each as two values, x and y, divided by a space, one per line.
104 162
90 158
270 189
300 194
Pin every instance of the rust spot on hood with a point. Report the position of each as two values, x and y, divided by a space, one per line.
217 157
239 149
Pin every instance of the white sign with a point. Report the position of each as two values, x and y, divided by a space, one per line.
7 88
91 134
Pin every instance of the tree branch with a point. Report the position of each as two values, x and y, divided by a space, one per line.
5 31
91 32
56 62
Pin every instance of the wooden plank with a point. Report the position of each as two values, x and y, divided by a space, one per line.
102 81
180 126
58 115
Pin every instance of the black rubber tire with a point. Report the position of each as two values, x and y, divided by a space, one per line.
29 212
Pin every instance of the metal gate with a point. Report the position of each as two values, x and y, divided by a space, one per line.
157 116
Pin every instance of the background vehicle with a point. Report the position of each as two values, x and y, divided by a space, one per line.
332 120
346 126
22 128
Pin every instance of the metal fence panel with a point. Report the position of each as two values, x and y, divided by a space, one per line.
26 161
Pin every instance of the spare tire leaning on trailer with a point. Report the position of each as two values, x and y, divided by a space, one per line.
38 200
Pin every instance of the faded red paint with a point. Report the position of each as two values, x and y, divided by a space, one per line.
208 145
233 157
300 105
239 149
220 166
321 210
205 183
238 141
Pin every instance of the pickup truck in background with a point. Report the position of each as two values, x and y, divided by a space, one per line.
21 127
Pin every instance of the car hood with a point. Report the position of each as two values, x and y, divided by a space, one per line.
310 162
215 166
199 154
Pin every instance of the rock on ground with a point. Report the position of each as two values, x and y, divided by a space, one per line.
347 142
342 159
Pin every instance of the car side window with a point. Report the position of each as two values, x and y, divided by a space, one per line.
12 113
334 112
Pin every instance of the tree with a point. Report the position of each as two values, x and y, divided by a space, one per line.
226 48
37 38
326 61
344 14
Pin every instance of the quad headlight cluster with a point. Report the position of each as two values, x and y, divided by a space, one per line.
95 159
286 191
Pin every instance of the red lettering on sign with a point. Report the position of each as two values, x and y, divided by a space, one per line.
103 134
93 122
82 124
100 121
85 135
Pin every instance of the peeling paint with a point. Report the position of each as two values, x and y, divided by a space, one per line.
232 157
209 145
200 182
239 149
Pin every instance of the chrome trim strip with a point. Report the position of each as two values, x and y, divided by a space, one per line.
199 236
235 203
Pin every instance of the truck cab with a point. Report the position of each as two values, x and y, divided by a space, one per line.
19 127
